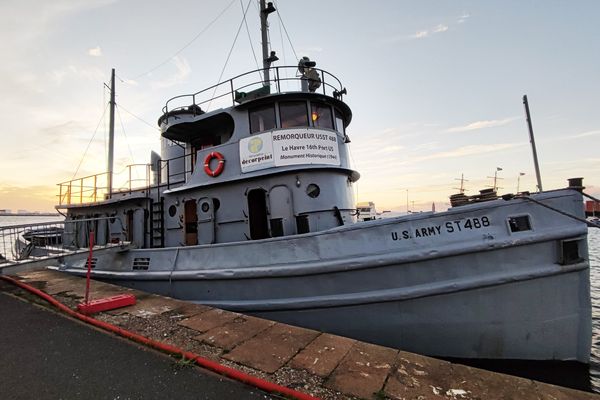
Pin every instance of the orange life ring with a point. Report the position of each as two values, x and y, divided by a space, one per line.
220 167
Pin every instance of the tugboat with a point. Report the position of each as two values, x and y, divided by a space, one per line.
250 208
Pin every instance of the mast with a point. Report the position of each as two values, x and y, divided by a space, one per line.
111 134
532 141
268 58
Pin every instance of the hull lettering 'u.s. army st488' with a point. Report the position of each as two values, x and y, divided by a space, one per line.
448 227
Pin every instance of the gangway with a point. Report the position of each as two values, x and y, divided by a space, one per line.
31 246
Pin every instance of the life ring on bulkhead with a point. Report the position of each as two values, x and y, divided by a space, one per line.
220 166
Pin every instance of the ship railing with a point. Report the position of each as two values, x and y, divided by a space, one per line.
251 85
52 239
94 188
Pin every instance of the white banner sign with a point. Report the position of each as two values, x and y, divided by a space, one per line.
289 147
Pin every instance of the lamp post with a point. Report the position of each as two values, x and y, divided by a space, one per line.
519 180
495 187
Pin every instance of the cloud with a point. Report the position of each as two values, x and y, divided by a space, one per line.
183 70
584 134
463 18
440 28
481 125
429 32
468 151
95 51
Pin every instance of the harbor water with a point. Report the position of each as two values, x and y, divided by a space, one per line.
565 374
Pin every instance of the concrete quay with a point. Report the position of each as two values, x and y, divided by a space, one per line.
323 365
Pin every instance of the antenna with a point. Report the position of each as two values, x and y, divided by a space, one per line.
496 179
268 58
111 134
462 183
532 141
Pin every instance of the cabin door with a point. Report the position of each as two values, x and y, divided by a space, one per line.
257 214
206 221
282 211
190 223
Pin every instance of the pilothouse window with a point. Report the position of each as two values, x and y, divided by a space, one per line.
262 118
293 114
321 115
339 122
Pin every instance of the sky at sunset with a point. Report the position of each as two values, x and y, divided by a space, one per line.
435 87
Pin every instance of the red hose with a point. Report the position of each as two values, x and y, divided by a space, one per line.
203 362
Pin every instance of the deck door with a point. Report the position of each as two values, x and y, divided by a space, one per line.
206 221
282 211
190 221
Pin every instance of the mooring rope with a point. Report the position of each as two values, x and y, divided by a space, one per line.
585 221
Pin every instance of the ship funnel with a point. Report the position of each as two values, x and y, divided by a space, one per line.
155 167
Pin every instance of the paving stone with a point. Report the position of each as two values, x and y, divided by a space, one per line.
234 332
208 320
148 307
419 377
363 371
191 309
323 354
272 348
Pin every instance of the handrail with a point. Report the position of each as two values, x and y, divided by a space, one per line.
93 188
232 87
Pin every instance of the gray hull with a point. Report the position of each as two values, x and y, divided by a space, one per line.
463 283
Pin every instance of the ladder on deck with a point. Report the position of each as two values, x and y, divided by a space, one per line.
158 222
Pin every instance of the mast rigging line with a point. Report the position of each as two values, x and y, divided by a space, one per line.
126 139
285 30
188 44
230 51
249 38
90 142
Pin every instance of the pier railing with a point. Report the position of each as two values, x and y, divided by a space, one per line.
48 239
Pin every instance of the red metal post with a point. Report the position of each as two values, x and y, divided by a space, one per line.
89 268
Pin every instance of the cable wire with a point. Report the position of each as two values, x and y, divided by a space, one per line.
124 134
138 118
90 142
286 32
186 45
229 54
249 38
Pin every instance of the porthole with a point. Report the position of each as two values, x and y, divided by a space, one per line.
172 211
216 204
313 190
205 207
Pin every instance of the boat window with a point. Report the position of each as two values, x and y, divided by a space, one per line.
262 118
293 113
321 115
519 224
569 252
339 122
313 190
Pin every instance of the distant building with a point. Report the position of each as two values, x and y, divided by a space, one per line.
592 208
5 211
22 212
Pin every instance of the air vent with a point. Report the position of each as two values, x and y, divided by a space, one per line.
141 263
93 262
